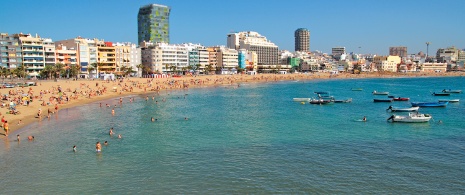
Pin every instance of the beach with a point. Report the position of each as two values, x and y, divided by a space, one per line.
48 95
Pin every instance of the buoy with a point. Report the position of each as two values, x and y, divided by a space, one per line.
302 102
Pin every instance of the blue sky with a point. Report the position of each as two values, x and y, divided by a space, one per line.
373 25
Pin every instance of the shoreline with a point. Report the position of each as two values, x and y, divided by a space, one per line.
86 91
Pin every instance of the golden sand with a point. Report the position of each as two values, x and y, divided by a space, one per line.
81 92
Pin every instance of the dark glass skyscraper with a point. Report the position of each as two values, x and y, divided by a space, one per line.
302 40
153 23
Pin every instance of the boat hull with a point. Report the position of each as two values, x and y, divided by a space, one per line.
412 109
382 100
429 104
452 100
411 118
441 94
401 99
380 93
301 99
451 91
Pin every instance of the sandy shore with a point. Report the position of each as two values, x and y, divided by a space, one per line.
68 93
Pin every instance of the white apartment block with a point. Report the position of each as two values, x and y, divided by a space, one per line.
49 52
227 58
33 52
164 58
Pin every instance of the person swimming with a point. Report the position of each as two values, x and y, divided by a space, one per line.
364 118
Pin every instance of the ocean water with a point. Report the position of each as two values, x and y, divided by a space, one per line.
250 139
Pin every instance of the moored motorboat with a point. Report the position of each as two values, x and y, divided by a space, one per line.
441 94
380 93
320 101
356 89
398 109
411 118
451 91
451 100
382 100
401 99
429 104
301 99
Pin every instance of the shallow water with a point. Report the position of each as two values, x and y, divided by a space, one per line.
250 139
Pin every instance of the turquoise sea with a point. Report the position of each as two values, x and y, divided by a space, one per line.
251 139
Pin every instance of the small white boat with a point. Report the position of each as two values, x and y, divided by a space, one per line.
411 118
451 100
380 93
451 91
397 109
301 99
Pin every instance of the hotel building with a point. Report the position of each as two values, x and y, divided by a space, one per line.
266 51
153 23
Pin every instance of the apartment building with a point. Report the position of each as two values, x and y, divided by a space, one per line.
86 53
10 51
33 54
337 52
387 63
400 51
65 56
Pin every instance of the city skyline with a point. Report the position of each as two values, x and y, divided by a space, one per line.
372 26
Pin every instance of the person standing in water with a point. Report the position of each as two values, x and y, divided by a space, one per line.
6 128
98 147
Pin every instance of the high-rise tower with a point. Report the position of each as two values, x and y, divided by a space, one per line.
302 40
153 23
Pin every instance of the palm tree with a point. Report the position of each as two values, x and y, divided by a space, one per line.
146 69
20 71
184 69
74 70
123 70
139 68
128 71
197 67
209 68
58 69
173 68
47 71
167 66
